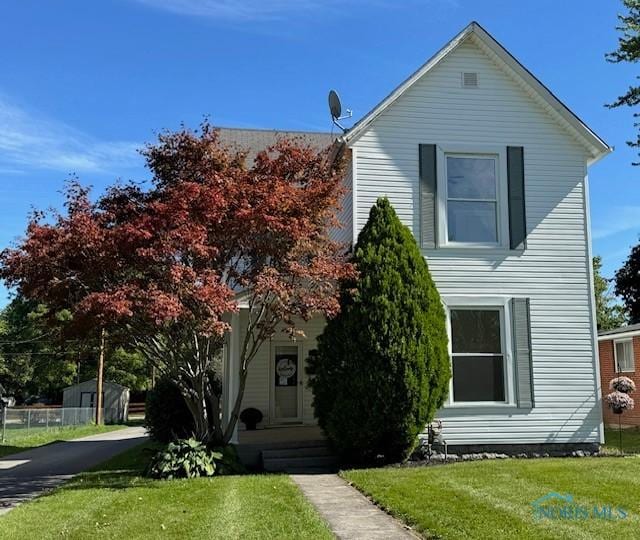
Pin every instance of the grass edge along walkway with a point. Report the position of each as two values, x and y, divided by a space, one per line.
115 501
493 499
348 512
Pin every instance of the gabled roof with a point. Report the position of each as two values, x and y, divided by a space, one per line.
256 140
94 381
596 147
620 332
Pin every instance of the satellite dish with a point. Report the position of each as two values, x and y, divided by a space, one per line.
336 110
334 105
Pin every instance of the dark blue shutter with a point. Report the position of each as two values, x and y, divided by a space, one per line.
521 324
517 211
428 195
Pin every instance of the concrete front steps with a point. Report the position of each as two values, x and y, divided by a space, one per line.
309 457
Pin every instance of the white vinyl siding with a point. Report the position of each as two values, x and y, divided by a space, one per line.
553 272
624 356
344 234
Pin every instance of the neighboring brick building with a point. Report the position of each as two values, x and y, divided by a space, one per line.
620 355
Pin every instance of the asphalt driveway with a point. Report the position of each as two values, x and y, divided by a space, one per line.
28 474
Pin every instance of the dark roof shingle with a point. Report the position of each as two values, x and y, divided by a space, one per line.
256 140
621 330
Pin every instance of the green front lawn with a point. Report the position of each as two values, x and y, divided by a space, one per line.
23 440
116 502
492 499
630 441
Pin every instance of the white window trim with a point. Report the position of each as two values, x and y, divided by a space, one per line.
499 153
615 356
498 302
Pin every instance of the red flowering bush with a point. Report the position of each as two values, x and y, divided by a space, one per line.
167 263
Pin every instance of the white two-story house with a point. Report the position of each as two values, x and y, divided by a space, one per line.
489 170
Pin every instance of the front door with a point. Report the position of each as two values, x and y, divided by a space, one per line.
286 383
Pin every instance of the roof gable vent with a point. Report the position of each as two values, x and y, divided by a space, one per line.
469 80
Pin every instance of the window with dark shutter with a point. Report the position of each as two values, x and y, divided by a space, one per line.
491 356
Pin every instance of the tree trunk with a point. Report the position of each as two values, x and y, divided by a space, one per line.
99 379
235 413
204 406
190 365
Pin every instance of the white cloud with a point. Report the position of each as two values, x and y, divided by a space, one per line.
252 10
29 140
238 9
231 9
619 219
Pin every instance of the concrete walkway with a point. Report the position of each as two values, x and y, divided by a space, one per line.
28 474
350 514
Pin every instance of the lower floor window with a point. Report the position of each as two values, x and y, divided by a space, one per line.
477 354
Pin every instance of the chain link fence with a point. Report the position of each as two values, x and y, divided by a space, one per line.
17 423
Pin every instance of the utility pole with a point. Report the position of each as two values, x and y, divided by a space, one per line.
99 378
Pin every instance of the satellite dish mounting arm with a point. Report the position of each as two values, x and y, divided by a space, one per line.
336 110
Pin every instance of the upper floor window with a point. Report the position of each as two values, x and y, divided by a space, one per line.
471 196
472 199
624 356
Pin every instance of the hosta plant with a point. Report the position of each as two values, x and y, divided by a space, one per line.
622 384
185 458
619 402
230 462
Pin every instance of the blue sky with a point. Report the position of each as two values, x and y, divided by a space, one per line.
84 84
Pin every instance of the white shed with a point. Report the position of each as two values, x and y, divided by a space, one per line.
115 396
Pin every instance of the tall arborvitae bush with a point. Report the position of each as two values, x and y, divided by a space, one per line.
381 369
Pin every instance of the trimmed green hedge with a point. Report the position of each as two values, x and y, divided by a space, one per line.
381 369
167 417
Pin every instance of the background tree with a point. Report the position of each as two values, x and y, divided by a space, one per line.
39 359
628 285
629 51
35 359
123 365
381 369
168 262
609 314
128 368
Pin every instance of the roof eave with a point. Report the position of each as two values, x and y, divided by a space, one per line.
596 146
361 125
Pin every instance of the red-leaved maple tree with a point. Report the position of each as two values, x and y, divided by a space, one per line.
168 263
